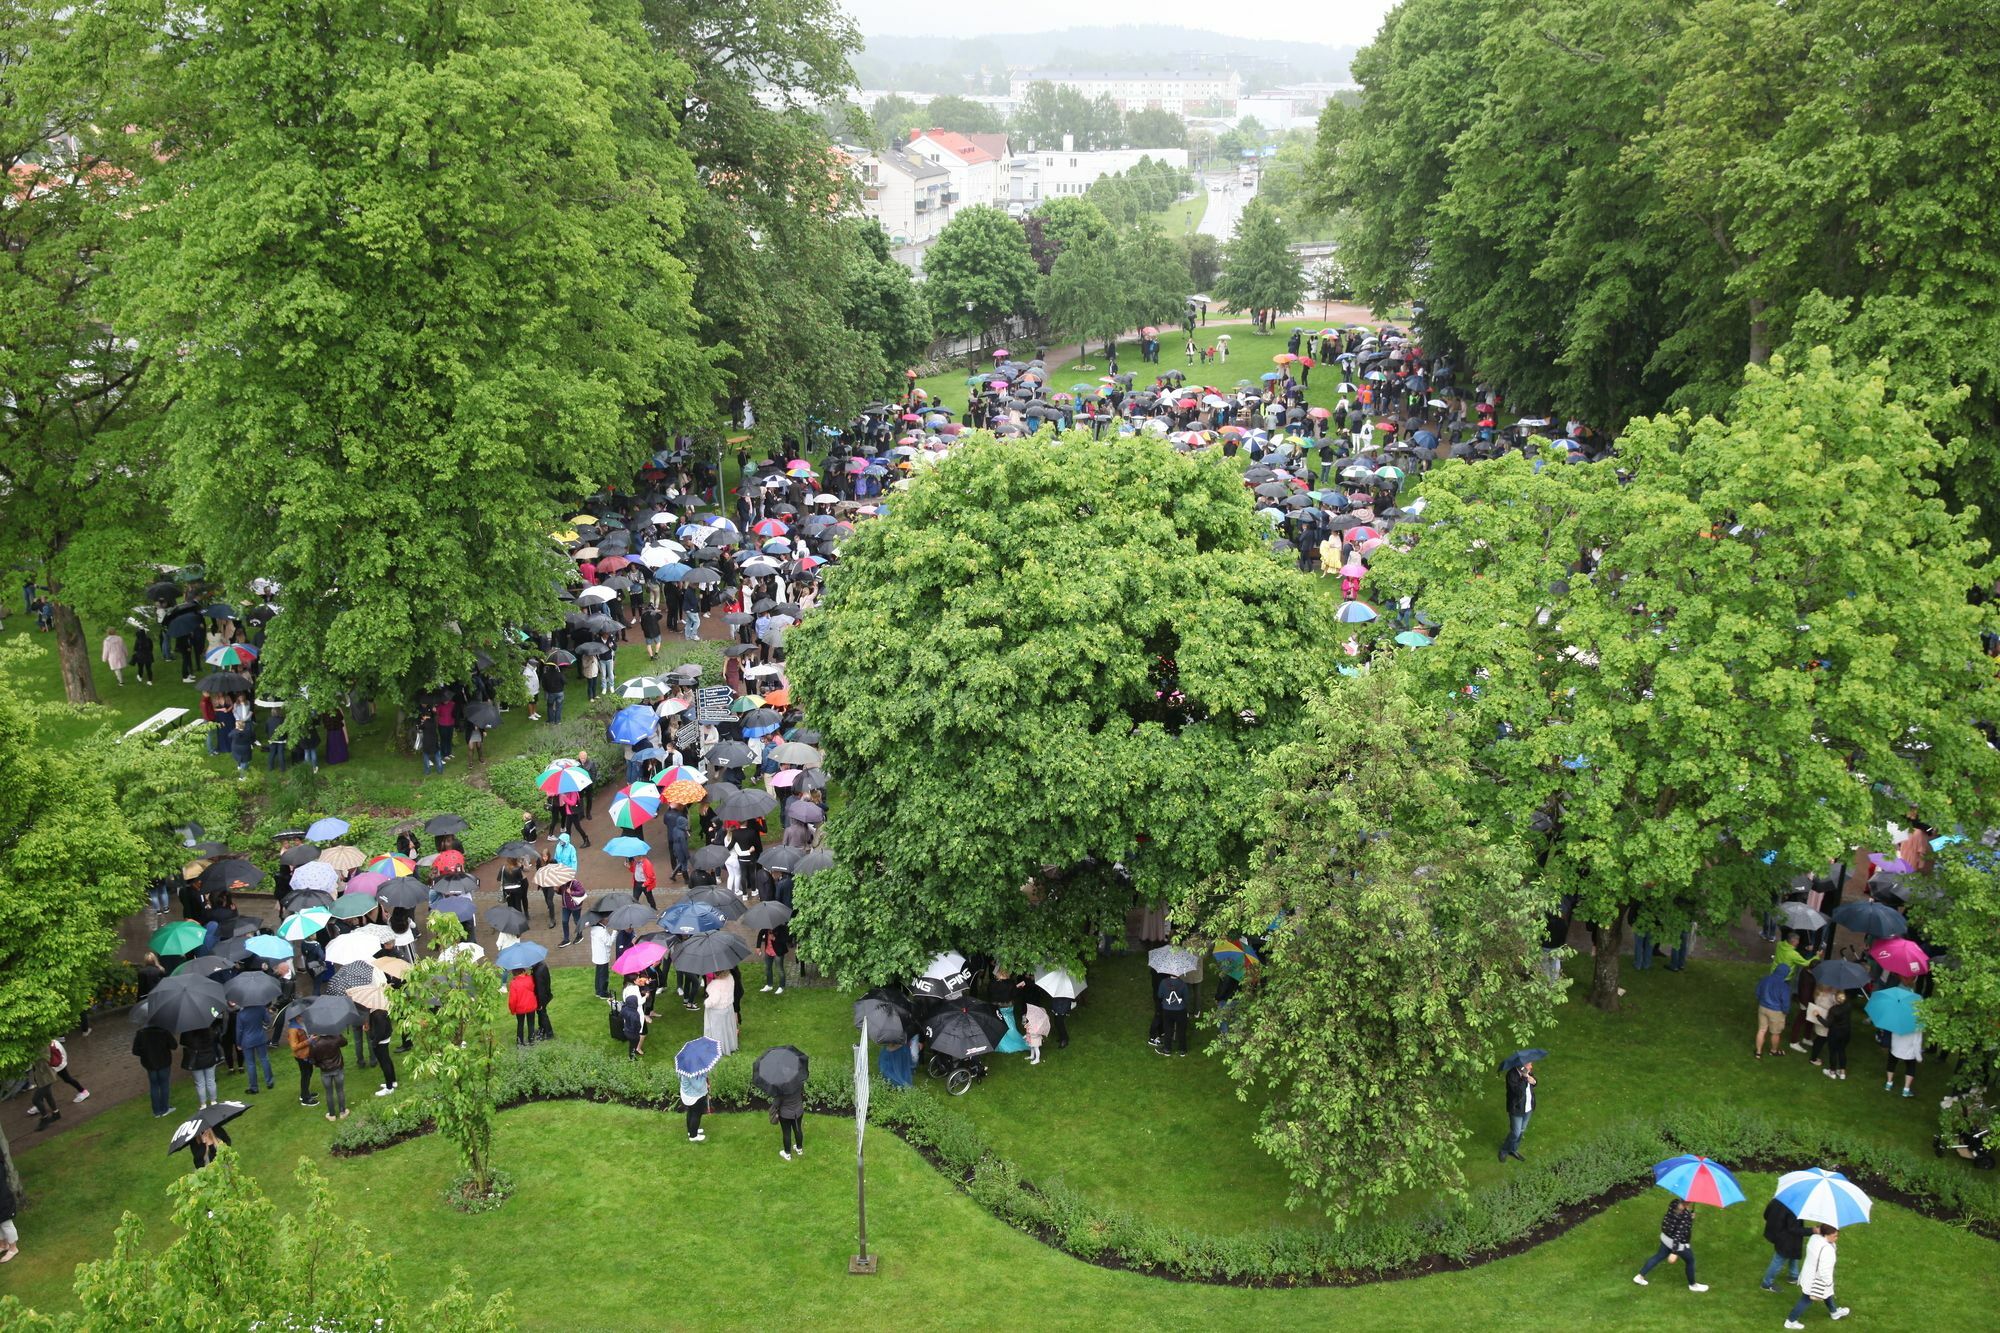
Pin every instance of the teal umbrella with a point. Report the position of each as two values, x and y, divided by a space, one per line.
1894 1009
304 925
179 937
1409 638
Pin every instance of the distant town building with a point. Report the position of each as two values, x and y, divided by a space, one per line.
906 194
1036 177
977 164
1191 93
1294 107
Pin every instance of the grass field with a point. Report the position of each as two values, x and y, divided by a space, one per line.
1184 215
599 1188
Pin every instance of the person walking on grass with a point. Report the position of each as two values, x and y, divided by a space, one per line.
378 1037
521 1004
1774 998
1520 1106
1816 1278
199 1057
253 1034
1676 1244
116 658
1787 1237
299 1041
155 1049
694 1099
788 1112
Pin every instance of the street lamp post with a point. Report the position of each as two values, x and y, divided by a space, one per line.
972 353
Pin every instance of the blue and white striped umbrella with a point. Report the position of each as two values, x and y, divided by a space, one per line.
1825 1196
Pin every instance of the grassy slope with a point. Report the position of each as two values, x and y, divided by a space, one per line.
1108 1115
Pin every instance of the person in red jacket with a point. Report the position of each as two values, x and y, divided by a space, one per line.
644 880
522 1004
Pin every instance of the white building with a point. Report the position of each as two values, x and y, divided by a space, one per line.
1053 173
977 164
906 194
1138 90
1291 108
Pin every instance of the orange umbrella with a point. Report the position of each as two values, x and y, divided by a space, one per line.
683 792
778 698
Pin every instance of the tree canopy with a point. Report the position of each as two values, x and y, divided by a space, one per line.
1260 274
1397 942
414 270
1740 662
1042 663
980 259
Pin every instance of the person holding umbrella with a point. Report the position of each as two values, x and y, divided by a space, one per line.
1786 1235
521 1004
253 1034
693 1062
719 1022
1520 1070
328 1058
1676 1244
155 1048
780 1074
1893 1010
206 1143
200 1057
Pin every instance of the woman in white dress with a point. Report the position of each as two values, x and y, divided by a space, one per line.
719 1012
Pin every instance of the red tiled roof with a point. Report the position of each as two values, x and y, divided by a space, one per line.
958 145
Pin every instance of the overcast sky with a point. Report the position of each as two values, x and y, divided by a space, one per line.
1340 22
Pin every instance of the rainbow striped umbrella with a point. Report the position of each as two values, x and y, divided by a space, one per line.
634 805
562 777
681 774
231 655
391 866
1698 1180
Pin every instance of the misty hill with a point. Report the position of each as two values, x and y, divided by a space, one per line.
979 63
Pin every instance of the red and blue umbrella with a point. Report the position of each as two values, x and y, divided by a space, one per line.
231 655
769 527
1698 1180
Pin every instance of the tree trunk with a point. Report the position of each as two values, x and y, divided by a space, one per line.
1608 943
74 656
1760 333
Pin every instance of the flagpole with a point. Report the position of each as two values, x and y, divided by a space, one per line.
864 1262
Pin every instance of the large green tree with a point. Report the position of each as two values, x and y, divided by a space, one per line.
1150 127
1043 662
412 266
1744 636
961 114
1260 274
1400 952
978 271
1085 292
78 464
882 301
1154 269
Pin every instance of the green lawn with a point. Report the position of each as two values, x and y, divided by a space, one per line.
1106 1115
1183 215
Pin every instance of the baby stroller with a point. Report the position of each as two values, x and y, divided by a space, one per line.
1968 1131
955 1036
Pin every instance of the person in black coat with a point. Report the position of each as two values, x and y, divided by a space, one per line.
1787 1235
155 1049
1520 1105
545 990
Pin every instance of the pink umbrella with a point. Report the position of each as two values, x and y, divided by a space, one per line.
779 781
1904 957
1894 865
1000 354
1354 570
639 957
368 881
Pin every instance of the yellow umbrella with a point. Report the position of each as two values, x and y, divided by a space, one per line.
582 518
562 535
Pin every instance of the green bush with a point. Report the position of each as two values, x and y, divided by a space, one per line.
1481 1223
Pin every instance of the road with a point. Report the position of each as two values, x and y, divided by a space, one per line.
1226 197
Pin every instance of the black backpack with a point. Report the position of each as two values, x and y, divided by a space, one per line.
1175 999
629 1020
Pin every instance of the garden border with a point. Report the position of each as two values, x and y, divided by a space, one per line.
1544 1201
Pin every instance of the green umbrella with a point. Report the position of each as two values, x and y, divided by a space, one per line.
351 905
177 937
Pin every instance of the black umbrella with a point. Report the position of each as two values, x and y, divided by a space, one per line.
561 658
483 715
813 862
632 916
181 1004
780 857
780 1071
243 925
208 1117
206 966
517 850
746 805
717 951
224 682
593 648
304 898
713 856
885 1015
729 754
351 975
252 989
813 779
739 649
722 900
450 884
229 874
1839 974
964 1028
402 892
702 575
162 591
1519 1058
294 857
607 903
804 812
507 920
458 904
1871 918
767 916
439 825
325 1015
183 625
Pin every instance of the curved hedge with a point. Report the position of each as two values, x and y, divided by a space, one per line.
1535 1203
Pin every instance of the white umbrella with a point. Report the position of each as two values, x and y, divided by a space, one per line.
1059 984
344 858
381 933
464 948
596 594
1825 1196
354 947
316 877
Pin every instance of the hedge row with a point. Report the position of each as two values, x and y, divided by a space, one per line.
1483 1224
491 820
